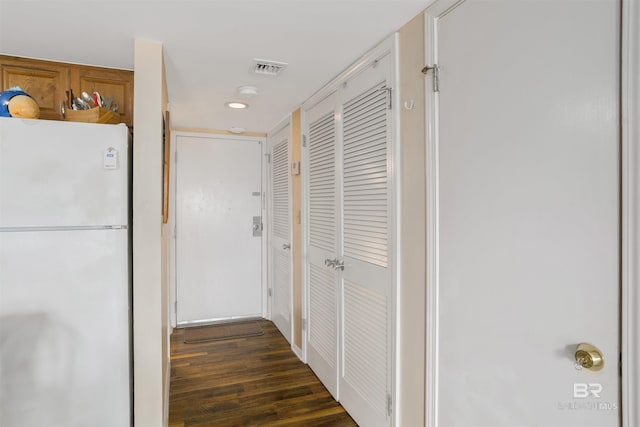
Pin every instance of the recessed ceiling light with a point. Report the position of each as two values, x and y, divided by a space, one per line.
236 105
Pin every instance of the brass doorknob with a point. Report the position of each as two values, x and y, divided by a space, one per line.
589 357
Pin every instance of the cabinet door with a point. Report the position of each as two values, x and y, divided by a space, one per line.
45 82
109 82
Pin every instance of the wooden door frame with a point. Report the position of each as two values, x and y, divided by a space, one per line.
630 216
173 282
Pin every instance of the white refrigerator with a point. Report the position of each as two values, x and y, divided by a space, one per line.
65 293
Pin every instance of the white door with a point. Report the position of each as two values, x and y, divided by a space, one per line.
524 214
218 255
349 243
365 374
322 244
280 241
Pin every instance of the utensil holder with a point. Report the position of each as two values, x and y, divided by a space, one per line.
94 115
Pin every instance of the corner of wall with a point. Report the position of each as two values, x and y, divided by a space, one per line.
149 314
410 328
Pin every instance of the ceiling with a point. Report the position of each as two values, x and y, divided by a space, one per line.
209 46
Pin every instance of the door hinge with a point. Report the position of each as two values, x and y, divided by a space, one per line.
304 140
175 307
389 405
270 292
304 324
436 75
175 158
268 156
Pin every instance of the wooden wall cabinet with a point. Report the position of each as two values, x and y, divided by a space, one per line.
109 82
47 81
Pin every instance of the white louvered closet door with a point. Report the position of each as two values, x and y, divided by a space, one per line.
322 243
365 374
280 251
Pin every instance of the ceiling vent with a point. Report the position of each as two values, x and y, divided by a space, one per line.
267 68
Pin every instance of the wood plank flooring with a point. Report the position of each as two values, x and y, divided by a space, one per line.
253 381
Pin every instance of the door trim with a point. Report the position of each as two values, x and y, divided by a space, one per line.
432 313
630 211
630 159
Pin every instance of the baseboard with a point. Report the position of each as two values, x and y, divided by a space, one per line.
298 352
167 387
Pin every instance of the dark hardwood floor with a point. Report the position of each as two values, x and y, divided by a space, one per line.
253 381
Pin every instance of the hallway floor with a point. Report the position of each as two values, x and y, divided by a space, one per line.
253 381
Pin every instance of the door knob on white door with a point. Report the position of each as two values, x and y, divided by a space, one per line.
286 246
338 265
330 262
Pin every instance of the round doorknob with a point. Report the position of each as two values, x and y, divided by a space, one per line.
589 357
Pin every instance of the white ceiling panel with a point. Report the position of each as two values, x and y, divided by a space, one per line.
210 45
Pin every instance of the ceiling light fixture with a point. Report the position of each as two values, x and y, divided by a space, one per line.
236 129
236 105
248 91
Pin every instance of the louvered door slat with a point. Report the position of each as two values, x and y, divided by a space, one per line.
364 102
368 157
367 169
369 188
365 343
368 124
364 178
367 101
323 181
366 141
280 190
322 313
281 282
365 166
322 184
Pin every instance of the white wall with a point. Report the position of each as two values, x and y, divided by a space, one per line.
150 354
